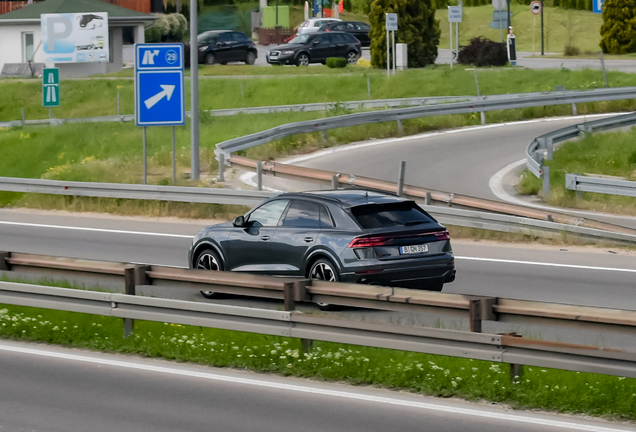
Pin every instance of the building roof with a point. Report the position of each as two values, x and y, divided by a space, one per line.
33 12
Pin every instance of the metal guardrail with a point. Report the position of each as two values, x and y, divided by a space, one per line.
609 186
510 217
542 147
553 98
481 346
366 104
135 191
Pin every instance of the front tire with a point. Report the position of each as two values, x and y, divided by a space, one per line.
324 269
208 259
210 59
302 60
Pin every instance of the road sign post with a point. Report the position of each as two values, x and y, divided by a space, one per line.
454 16
51 87
536 7
159 87
391 21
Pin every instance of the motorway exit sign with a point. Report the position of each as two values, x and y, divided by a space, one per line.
51 87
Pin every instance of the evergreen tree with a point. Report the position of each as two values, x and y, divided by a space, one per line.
618 32
417 27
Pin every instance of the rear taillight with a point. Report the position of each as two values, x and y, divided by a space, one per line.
442 235
326 29
369 242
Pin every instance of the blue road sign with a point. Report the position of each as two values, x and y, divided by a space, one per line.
159 86
598 6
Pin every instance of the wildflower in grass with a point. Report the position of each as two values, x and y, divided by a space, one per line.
454 383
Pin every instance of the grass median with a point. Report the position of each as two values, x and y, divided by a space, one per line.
611 154
547 389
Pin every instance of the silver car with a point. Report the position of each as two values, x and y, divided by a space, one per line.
313 24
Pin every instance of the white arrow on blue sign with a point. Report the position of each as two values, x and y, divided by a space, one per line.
159 85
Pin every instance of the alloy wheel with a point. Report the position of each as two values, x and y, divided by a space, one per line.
207 261
322 271
303 60
352 58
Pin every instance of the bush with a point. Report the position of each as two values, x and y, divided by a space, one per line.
571 51
618 33
483 52
167 28
336 62
417 28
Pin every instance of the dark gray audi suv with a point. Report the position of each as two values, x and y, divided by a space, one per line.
353 236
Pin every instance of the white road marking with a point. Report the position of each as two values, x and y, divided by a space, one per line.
546 264
496 260
103 230
496 186
313 390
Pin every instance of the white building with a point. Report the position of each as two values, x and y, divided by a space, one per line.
21 36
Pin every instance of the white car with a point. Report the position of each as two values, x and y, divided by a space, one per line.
313 24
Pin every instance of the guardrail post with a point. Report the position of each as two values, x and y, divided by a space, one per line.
259 175
306 344
129 282
141 278
574 111
221 167
369 88
427 198
118 111
4 261
474 312
288 296
400 185
400 127
324 135
483 118
335 182
481 309
550 146
546 183
23 117
516 372
603 66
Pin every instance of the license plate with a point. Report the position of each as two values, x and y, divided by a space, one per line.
407 250
273 56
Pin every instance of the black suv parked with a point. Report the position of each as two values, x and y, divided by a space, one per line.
223 46
359 29
316 48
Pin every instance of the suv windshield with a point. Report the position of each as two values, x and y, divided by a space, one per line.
389 215
300 39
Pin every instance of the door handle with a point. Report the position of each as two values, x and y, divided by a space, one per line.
265 238
308 239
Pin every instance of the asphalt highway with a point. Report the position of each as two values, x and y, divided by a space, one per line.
584 276
54 389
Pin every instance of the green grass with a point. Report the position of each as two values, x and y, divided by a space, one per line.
548 389
611 154
584 25
99 97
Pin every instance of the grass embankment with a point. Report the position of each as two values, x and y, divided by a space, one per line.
559 26
612 154
112 152
547 389
87 98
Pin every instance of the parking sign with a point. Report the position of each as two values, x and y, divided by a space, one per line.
159 85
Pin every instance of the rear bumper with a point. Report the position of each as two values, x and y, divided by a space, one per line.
429 274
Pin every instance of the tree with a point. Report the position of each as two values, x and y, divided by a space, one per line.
417 27
618 32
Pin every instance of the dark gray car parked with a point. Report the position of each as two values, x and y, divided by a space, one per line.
347 235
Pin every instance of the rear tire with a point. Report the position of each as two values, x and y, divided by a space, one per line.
352 57
250 59
208 259
324 269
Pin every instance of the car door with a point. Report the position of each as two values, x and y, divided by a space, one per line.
239 49
223 49
296 235
340 45
321 48
249 247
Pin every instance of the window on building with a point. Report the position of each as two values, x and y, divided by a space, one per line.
27 46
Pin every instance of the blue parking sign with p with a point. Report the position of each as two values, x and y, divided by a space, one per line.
159 85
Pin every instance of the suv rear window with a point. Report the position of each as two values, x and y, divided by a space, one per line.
389 215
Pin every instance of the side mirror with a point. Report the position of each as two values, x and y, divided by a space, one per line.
239 222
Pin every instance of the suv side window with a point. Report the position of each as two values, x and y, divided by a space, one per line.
268 214
226 38
349 38
239 37
363 27
339 38
303 214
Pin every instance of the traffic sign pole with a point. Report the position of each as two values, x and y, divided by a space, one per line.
145 159
194 94
542 50
174 160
